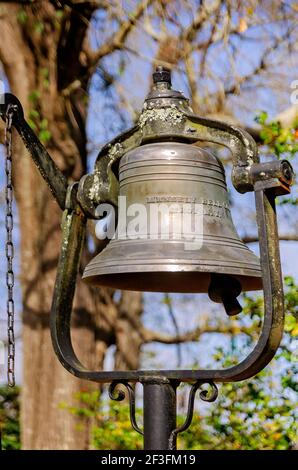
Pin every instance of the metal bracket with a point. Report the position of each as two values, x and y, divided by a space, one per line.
248 175
73 236
120 395
266 182
166 116
102 184
45 164
205 395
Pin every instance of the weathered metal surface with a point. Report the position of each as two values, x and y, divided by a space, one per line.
102 185
119 395
205 395
46 166
159 413
276 173
167 115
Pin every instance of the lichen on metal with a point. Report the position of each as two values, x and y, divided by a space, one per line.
95 188
115 151
171 115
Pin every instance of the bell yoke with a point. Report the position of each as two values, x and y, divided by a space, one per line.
159 161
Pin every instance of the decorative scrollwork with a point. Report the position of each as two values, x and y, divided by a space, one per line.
119 395
211 394
205 395
116 395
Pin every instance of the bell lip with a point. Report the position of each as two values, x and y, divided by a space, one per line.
165 282
132 269
172 266
132 279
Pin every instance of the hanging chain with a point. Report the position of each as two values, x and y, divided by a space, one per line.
9 248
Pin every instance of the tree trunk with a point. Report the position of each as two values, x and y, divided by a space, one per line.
128 331
28 51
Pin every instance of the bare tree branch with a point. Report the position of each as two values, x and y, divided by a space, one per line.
154 336
287 238
168 302
261 67
118 39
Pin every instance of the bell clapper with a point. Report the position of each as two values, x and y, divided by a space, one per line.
225 289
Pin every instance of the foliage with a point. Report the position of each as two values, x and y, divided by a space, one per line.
283 142
114 430
35 120
9 418
247 416
112 427
260 413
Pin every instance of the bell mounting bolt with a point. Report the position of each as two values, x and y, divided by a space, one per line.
162 75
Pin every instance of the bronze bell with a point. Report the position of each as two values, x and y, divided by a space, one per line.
184 239
165 178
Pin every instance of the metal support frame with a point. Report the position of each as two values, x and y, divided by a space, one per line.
73 237
266 180
54 178
159 413
160 409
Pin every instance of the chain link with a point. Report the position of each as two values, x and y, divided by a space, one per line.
9 248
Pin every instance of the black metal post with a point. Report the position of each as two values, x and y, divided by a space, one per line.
159 413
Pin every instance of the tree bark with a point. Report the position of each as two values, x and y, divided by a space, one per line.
128 331
37 74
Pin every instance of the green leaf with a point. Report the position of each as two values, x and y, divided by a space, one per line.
22 16
59 14
38 27
34 114
44 124
34 96
32 124
262 117
44 136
